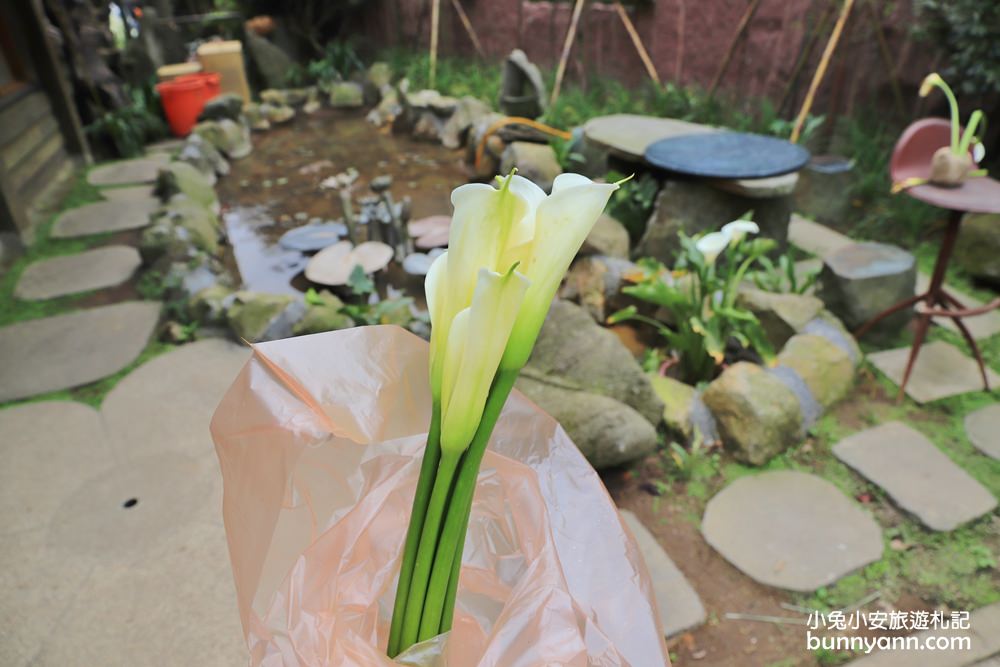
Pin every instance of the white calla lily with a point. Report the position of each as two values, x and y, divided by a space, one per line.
738 229
477 341
711 245
562 222
978 152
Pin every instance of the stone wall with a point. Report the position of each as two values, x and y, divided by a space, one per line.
685 38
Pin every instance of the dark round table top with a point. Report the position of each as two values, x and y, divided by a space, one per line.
729 155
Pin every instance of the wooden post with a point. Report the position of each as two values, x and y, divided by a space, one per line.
744 22
637 42
464 18
435 20
567 47
824 62
804 57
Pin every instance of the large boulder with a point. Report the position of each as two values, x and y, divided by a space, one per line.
227 105
781 315
757 414
977 250
271 62
229 136
572 347
608 432
323 314
608 237
182 179
825 367
522 87
346 95
695 207
595 282
256 317
536 162
861 280
179 224
204 157
468 112
292 97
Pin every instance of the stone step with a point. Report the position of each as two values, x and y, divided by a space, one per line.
99 268
104 216
916 475
983 430
128 172
815 238
680 607
941 370
984 646
790 530
64 351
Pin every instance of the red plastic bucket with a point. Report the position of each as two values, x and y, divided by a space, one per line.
183 99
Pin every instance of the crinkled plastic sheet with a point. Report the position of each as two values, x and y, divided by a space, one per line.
319 440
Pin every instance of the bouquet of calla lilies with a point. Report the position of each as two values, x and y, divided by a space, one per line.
488 296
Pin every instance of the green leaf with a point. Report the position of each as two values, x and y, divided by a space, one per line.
359 282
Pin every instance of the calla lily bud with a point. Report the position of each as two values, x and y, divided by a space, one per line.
711 245
738 229
930 81
562 222
479 335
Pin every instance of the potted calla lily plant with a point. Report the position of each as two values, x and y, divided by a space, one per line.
509 248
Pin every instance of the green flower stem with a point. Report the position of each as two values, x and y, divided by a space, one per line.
428 468
429 536
970 132
440 601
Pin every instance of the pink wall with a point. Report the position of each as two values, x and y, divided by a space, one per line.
686 40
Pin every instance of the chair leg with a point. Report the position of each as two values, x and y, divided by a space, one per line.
864 328
923 322
945 300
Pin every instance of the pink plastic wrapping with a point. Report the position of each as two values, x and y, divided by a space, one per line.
319 440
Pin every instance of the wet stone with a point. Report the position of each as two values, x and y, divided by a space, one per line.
139 170
941 370
790 530
311 238
104 216
680 607
69 350
906 464
983 429
93 269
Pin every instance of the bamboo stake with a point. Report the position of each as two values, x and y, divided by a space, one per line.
464 18
890 65
567 47
435 20
744 22
643 55
831 46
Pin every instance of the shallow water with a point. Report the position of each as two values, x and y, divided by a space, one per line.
277 187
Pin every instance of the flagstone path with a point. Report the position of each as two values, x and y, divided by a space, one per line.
69 350
680 607
104 216
941 370
107 266
112 550
129 192
983 429
906 464
128 172
790 530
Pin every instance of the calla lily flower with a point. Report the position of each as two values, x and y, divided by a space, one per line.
711 245
978 152
738 229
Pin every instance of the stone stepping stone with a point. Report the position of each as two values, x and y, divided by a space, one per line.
89 270
128 193
104 216
906 464
128 172
311 238
983 429
790 530
167 403
70 350
984 646
628 135
941 370
815 238
166 146
761 188
981 326
680 607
